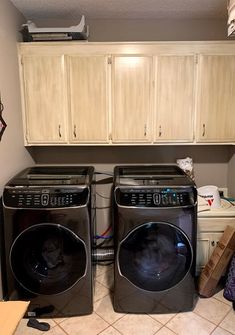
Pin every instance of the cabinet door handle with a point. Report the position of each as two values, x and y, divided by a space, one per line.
203 129
59 130
160 131
213 243
75 131
145 130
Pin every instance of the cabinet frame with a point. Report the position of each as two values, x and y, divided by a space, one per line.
209 231
112 49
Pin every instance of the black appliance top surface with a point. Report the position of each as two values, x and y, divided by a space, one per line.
150 175
53 176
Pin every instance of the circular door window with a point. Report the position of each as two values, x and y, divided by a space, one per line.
155 256
48 259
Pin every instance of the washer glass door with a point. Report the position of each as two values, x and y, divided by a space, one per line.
155 256
48 259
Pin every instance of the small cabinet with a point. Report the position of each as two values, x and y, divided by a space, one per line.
88 98
210 230
174 98
206 244
216 98
44 98
131 98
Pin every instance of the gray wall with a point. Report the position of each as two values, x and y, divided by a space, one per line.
13 154
231 172
210 162
148 30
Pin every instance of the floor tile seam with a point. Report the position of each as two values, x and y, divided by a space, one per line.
113 325
225 317
205 318
215 326
102 275
171 330
63 329
226 329
110 324
104 269
223 329
107 328
159 329
95 301
106 286
157 322
227 302
165 327
160 321
64 318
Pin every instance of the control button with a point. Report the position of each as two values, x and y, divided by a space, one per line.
156 199
45 199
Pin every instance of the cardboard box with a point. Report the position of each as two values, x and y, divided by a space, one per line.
217 263
11 312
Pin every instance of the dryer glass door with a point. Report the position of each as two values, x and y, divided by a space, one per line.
48 259
155 256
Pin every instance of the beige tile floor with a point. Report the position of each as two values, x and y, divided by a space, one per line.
213 316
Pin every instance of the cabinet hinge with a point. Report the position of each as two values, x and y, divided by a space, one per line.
109 60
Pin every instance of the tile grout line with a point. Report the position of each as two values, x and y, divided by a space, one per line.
226 302
63 329
219 325
107 328
101 297
167 328
162 314
216 325
110 324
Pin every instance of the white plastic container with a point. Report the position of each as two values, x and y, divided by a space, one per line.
211 194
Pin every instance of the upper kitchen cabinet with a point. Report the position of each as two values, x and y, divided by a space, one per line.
88 98
44 99
131 98
216 98
174 98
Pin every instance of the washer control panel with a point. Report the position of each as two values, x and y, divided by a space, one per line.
156 197
18 197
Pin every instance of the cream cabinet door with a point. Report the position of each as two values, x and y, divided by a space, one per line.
206 243
131 98
216 99
88 98
174 98
44 99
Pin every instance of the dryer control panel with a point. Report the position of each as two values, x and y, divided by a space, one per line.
19 197
155 197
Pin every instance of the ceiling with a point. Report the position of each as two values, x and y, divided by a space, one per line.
122 9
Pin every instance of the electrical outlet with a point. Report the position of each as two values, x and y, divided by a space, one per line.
223 191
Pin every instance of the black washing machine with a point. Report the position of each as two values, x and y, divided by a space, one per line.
48 237
155 221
